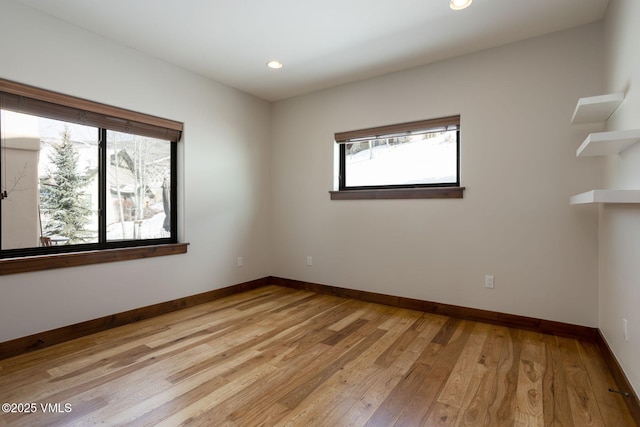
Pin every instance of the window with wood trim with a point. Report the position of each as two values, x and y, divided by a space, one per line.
76 175
422 155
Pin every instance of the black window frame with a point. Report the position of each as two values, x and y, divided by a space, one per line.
402 129
43 103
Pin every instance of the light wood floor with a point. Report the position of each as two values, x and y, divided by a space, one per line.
276 356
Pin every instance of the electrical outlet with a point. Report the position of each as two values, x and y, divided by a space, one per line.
240 261
309 261
625 329
488 281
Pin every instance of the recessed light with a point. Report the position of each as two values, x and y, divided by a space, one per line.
274 64
459 4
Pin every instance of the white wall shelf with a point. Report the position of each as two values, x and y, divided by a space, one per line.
606 196
595 109
607 143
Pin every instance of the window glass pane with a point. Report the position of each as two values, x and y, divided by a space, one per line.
418 159
49 171
138 187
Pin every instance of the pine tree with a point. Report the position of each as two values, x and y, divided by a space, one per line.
67 211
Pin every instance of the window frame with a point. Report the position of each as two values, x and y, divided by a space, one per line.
43 103
397 191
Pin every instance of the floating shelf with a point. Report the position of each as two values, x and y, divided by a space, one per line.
606 143
606 196
595 109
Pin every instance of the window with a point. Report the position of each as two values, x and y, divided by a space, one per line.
409 160
79 176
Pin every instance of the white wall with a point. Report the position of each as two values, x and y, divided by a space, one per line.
518 165
225 192
619 224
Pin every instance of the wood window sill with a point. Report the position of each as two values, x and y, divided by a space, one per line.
73 259
400 193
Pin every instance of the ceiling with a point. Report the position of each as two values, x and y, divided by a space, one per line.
322 43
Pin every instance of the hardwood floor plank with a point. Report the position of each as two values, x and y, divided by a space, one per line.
305 345
502 410
335 397
297 395
168 403
529 391
347 321
584 410
483 388
344 332
418 409
442 415
402 342
549 384
611 405
299 386
279 356
455 389
387 380
36 358
282 381
232 406
391 408
560 357
140 389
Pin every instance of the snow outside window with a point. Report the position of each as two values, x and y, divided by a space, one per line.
414 155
